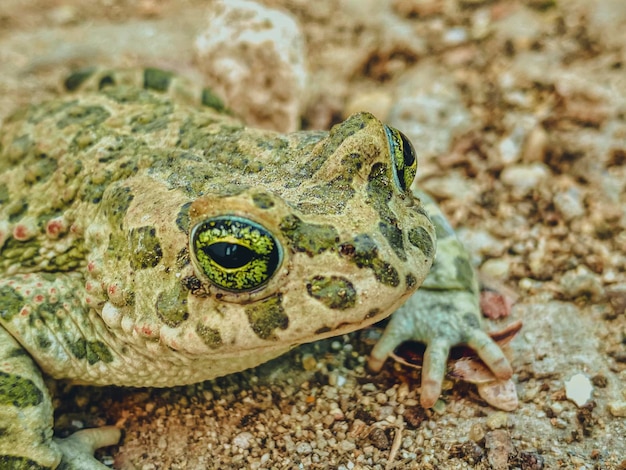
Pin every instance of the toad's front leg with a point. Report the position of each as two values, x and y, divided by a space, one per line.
26 413
444 312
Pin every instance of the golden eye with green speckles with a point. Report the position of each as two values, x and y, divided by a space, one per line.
235 253
403 158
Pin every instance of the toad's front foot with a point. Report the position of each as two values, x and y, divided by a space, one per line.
443 313
430 318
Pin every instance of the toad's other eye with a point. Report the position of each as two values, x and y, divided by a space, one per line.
403 158
235 253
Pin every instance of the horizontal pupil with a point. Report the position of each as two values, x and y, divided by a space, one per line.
229 255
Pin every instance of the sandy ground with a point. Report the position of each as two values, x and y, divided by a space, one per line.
518 113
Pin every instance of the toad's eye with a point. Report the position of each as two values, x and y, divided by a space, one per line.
403 158
235 253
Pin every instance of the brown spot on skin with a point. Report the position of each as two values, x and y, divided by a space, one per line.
322 330
372 313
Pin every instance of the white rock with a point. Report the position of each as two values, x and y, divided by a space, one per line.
618 408
496 268
243 440
525 177
254 58
569 203
578 389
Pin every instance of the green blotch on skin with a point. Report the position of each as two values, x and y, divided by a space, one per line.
328 146
83 116
211 100
182 219
266 316
19 150
116 203
363 252
40 170
394 237
17 353
171 306
150 122
157 79
93 351
11 303
330 197
312 239
18 391
77 78
24 253
14 462
4 194
380 189
464 272
16 210
420 238
210 336
333 291
263 200
145 249
43 341
67 261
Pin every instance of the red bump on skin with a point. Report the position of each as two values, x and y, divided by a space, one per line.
55 227
144 330
39 298
20 232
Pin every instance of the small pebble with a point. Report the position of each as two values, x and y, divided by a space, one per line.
477 432
243 440
497 420
578 389
496 268
569 204
304 448
455 36
525 177
618 408
309 362
582 282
